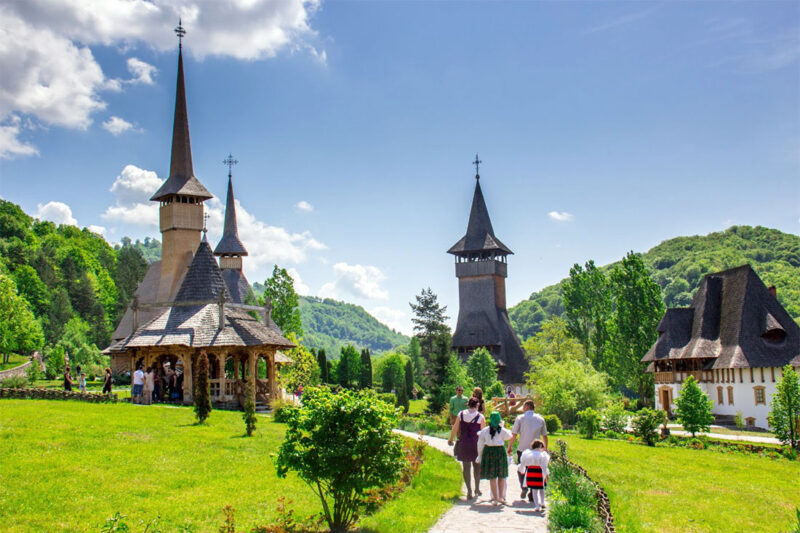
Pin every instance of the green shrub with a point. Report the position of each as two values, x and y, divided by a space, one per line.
282 410
14 382
612 435
387 397
337 463
588 422
249 414
615 418
34 372
566 517
496 390
739 420
646 423
553 424
697 444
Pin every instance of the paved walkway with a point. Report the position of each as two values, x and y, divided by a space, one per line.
479 515
725 436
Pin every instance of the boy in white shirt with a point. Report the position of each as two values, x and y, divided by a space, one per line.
533 465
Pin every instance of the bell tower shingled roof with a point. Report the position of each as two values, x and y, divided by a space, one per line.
181 173
480 235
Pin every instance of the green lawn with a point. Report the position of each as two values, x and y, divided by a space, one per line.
679 489
416 407
122 391
67 466
14 360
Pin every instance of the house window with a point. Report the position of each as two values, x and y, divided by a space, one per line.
719 396
760 396
730 395
750 421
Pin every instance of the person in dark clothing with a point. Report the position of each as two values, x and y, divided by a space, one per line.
67 380
468 423
108 380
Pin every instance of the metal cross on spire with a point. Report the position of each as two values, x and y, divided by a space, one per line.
180 32
230 161
205 225
477 162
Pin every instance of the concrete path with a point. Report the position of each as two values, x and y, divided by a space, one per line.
725 436
479 515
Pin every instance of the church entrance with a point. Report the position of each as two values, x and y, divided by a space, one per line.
666 401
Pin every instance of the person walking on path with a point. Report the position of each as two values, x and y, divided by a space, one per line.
67 381
107 382
138 385
493 458
477 393
468 423
82 382
149 385
529 426
457 404
533 465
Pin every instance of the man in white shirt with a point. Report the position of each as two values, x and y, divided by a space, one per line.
138 384
530 427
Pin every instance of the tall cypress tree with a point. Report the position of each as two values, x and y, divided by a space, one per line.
322 361
365 382
409 379
202 394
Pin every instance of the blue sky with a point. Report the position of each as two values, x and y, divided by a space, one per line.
603 127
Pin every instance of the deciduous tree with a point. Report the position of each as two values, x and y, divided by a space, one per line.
279 288
482 368
784 416
20 332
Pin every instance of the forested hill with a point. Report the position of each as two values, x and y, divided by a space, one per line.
331 324
678 265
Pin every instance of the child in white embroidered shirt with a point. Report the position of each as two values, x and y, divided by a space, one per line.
533 465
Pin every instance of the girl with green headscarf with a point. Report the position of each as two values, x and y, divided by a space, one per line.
493 456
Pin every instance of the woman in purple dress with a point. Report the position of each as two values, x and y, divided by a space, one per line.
468 423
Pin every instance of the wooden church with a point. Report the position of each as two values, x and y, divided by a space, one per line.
187 303
481 269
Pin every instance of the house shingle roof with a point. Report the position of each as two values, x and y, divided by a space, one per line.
726 323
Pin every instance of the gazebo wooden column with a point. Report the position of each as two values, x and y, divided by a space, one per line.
252 359
188 388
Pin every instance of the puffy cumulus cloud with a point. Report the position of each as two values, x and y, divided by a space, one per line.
50 74
299 286
100 230
560 216
57 212
132 190
394 318
357 280
141 71
266 244
116 125
302 205
10 144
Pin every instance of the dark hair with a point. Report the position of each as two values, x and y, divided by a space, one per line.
494 429
472 402
537 444
529 403
477 393
108 370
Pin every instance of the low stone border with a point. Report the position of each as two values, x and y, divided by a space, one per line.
54 394
603 504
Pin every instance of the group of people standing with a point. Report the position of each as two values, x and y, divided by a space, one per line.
149 386
485 450
108 380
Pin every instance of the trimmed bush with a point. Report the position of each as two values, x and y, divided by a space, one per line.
615 418
14 382
553 424
646 423
387 397
588 422
282 410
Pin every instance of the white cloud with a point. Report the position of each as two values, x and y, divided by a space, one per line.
100 230
142 71
132 190
51 75
299 286
10 144
302 205
57 212
357 280
394 318
560 216
116 125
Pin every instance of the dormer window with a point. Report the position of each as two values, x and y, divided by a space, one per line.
773 332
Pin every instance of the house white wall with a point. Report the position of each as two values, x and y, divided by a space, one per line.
743 387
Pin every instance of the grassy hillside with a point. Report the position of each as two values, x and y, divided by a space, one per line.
678 265
331 324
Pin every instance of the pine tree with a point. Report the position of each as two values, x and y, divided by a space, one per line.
322 361
249 414
439 362
694 407
348 371
784 416
365 380
415 354
482 368
202 394
429 322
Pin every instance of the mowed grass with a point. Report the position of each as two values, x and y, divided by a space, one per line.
96 386
67 466
679 489
417 407
14 361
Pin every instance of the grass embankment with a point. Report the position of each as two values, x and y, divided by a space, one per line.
67 466
14 361
677 489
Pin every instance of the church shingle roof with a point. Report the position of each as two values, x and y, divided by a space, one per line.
203 280
734 320
480 235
